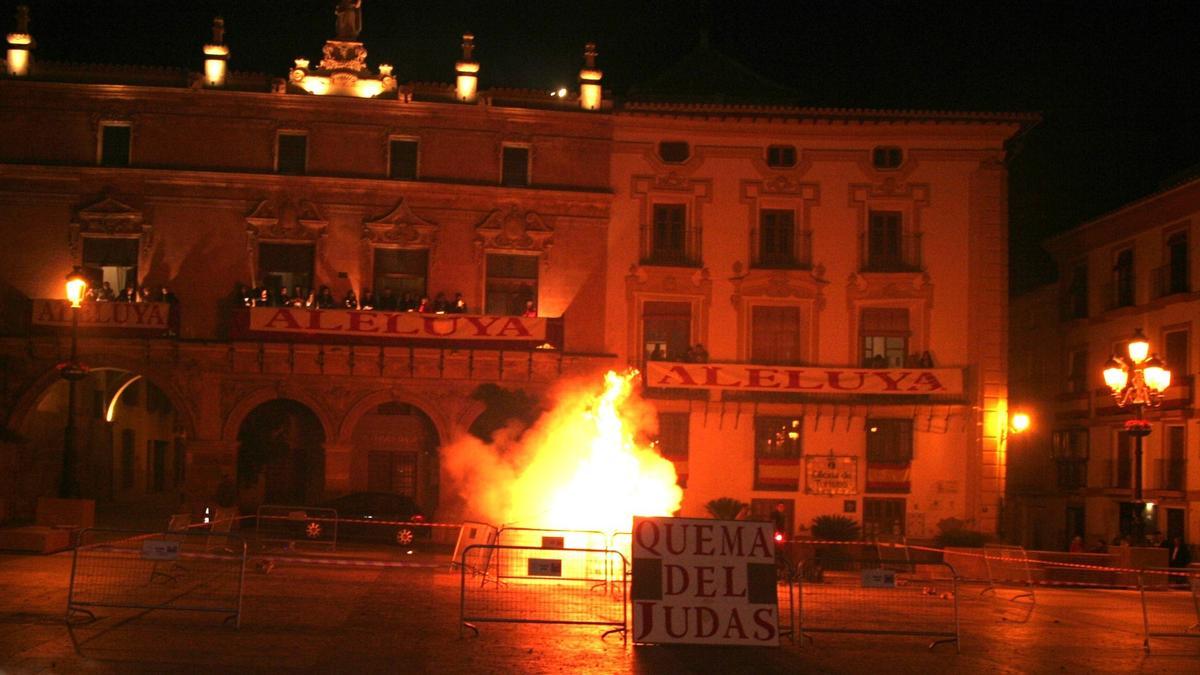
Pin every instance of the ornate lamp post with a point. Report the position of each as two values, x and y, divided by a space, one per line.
72 371
1137 382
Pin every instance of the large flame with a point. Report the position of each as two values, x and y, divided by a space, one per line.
580 467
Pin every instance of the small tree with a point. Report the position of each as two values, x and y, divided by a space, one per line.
835 528
725 508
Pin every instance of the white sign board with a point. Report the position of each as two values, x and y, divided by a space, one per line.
698 581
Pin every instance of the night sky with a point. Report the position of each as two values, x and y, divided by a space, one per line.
1112 80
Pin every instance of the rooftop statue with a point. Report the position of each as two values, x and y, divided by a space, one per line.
349 19
23 19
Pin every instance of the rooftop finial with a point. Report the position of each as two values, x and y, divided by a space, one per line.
468 46
218 31
589 55
22 19
349 19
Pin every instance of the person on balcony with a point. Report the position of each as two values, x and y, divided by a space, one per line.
530 310
368 300
105 294
351 300
265 298
325 298
285 298
423 307
387 300
440 304
460 305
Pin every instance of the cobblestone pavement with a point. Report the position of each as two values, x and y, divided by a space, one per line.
341 619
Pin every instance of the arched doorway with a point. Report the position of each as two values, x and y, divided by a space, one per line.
395 450
130 441
281 455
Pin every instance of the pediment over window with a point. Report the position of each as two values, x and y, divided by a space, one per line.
400 226
109 218
514 228
780 285
284 219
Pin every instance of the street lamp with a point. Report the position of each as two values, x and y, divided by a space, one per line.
1137 381
72 371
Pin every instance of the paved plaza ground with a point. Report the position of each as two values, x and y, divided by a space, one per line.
305 618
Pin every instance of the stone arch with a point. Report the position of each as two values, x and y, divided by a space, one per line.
233 420
441 422
281 453
39 386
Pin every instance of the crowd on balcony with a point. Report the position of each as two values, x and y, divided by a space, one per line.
105 293
323 298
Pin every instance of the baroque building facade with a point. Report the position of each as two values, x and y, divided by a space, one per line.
816 297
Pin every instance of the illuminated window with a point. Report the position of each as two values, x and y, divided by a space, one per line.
777 450
781 156
889 441
402 159
674 152
884 332
115 140
774 335
885 157
515 166
666 330
403 270
285 266
291 153
512 281
110 259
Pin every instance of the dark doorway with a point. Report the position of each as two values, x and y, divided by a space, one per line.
1174 523
1075 526
281 456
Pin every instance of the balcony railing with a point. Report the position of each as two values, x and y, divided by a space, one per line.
799 258
655 253
902 256
1170 474
1169 280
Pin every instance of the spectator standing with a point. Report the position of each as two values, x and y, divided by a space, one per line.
460 305
368 300
440 304
351 300
387 300
106 293
530 310
325 298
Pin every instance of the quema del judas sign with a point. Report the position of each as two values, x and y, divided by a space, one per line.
698 581
805 380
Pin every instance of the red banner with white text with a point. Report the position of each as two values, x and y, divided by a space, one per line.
119 317
805 379
295 323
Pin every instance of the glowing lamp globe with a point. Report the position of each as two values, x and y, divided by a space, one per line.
1139 347
76 287
1020 422
1115 375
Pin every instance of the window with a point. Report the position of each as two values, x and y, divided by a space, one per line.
777 238
1176 353
672 442
887 157
112 261
1175 276
127 459
1077 375
402 159
1075 305
1069 448
674 152
115 140
774 335
668 239
885 242
884 332
889 441
1122 474
389 471
883 517
777 449
512 281
666 330
514 171
291 153
285 266
1174 470
781 156
403 270
1123 279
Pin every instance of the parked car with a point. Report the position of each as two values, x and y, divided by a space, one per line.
396 517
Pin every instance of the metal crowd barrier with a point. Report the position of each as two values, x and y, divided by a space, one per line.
885 597
1008 566
473 532
179 570
296 527
1172 611
549 592
512 556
